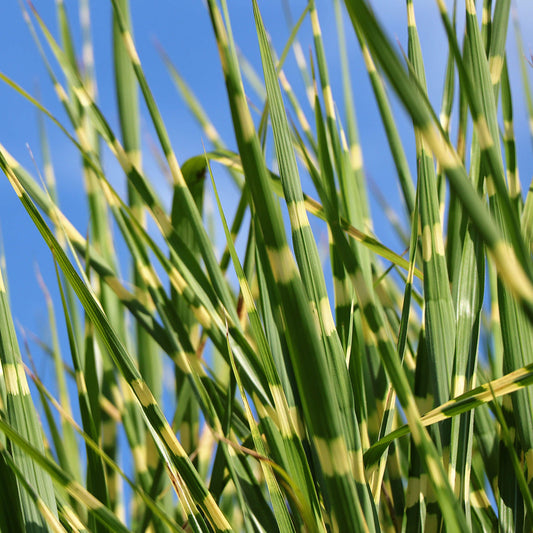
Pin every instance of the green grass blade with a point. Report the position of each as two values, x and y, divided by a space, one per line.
178 459
21 413
312 373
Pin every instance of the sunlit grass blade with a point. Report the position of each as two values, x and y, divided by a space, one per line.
77 491
389 409
49 515
232 160
181 190
305 248
311 370
478 396
507 259
296 467
517 332
21 414
97 451
282 516
513 178
438 310
150 362
123 360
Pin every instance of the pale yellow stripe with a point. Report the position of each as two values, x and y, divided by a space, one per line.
478 499
110 195
484 137
314 23
358 468
79 493
139 458
175 170
61 94
143 393
324 456
434 471
485 15
130 48
459 385
148 275
489 185
211 132
121 155
282 263
260 406
361 288
82 96
177 280
356 156
368 60
508 129
333 456
116 286
215 515
280 404
19 191
302 119
454 478
411 21
514 184
72 518
10 378
444 119
442 150
438 241
328 100
495 66
297 422
171 441
80 383
23 381
339 456
470 7
203 316
327 318
248 129
298 215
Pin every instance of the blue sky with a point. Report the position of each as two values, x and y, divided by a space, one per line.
184 30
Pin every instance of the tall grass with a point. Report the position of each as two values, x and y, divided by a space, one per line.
386 391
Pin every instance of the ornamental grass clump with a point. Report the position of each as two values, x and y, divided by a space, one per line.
278 384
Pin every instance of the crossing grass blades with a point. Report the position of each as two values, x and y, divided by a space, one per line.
386 392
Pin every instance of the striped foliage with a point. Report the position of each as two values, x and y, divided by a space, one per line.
308 375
